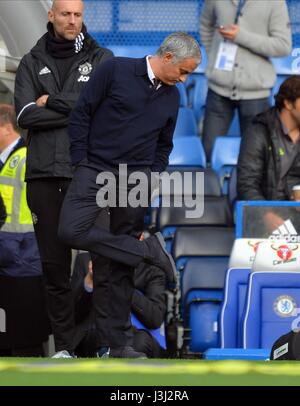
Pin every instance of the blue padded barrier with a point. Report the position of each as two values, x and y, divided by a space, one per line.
272 299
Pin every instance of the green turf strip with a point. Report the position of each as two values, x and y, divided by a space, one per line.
147 372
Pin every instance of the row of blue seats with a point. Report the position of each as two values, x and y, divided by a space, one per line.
189 152
239 312
287 65
249 301
196 91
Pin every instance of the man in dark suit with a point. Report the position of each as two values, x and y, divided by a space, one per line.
123 123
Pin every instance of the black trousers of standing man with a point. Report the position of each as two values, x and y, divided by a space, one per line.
114 256
45 198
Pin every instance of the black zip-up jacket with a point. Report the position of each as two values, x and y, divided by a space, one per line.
48 141
148 301
2 212
258 168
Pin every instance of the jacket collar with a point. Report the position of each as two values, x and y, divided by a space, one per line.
19 143
141 67
39 51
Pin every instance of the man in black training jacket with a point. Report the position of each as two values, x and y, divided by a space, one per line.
48 82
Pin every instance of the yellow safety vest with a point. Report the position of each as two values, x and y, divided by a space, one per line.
13 191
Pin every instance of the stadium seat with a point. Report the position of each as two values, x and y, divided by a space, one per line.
224 158
215 241
231 316
276 256
183 94
211 181
244 251
216 213
234 129
272 306
187 151
190 189
232 188
240 263
202 294
186 123
284 65
202 254
196 86
189 184
133 51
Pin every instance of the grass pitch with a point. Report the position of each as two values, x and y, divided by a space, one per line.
82 372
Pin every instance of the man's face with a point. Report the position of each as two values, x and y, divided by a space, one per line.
66 17
172 73
4 133
295 111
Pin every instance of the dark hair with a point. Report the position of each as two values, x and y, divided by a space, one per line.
289 90
8 115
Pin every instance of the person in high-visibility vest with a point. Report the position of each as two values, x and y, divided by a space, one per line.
22 295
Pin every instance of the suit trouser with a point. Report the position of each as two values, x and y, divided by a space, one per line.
115 253
45 197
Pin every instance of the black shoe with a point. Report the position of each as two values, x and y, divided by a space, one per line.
103 352
126 352
156 254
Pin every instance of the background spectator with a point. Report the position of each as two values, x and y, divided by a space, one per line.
239 37
148 305
269 160
22 294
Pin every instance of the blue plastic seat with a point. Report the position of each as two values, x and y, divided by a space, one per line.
183 94
224 158
234 129
169 219
133 51
187 151
284 65
210 188
236 283
201 255
271 301
186 123
197 87
202 294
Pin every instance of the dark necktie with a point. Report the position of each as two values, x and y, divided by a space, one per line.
156 83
